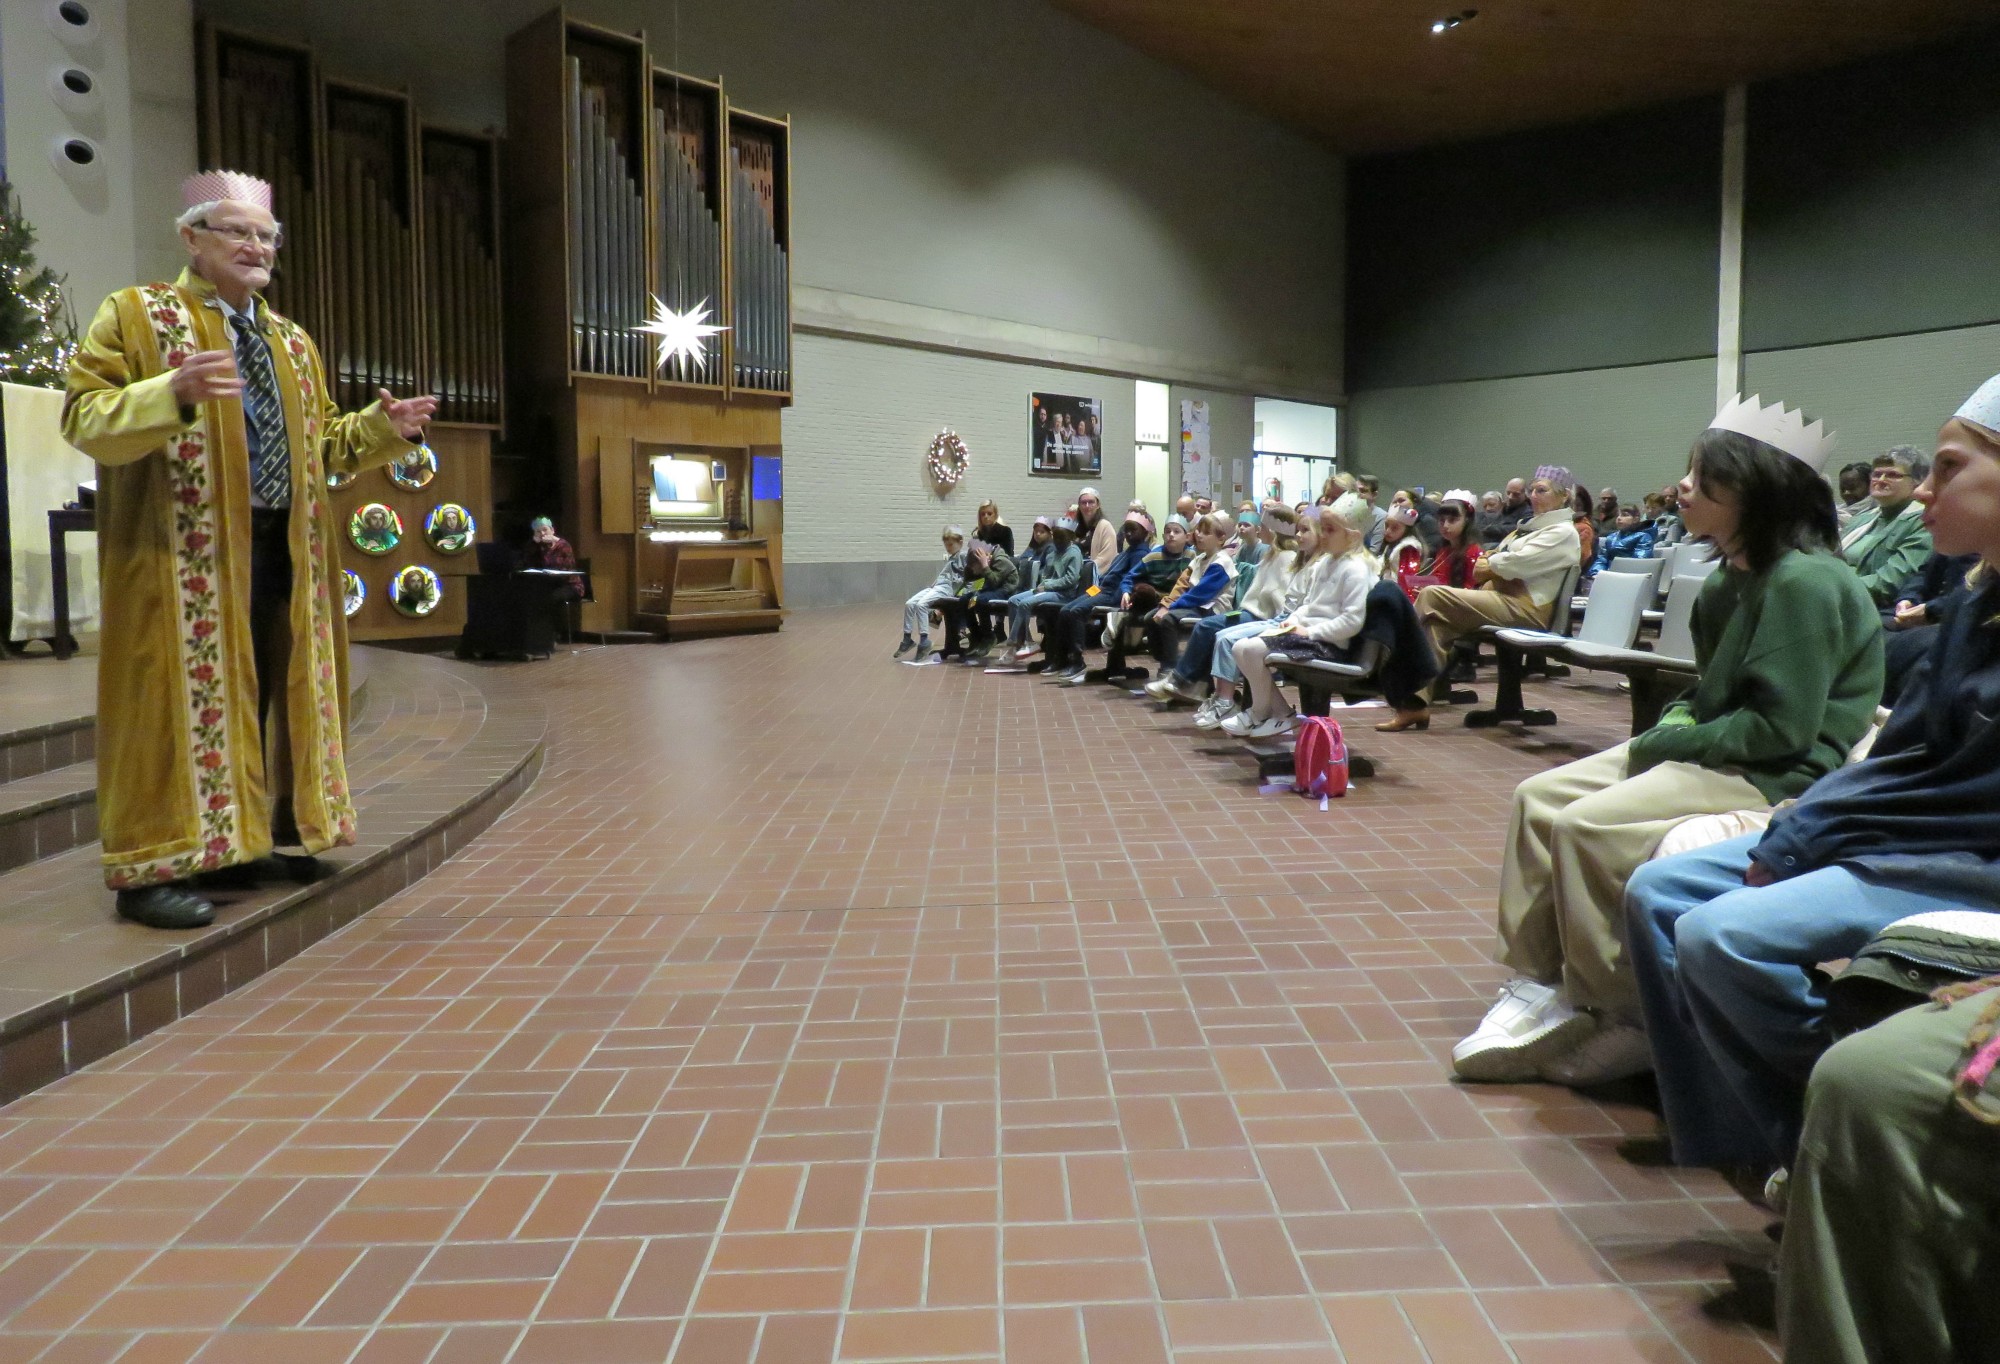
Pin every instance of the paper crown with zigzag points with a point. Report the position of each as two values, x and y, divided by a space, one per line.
211 186
1778 426
1983 407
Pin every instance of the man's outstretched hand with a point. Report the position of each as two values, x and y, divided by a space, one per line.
205 376
408 415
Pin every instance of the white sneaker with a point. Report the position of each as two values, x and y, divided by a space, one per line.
1161 687
1616 1051
1009 656
1778 1190
1273 727
1240 724
1186 691
1218 711
1527 1023
1026 652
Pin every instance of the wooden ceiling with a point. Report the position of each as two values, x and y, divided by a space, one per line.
1370 76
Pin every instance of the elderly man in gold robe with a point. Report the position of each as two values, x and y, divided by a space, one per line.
222 685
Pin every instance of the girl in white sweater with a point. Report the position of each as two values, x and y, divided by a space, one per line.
1206 657
1330 616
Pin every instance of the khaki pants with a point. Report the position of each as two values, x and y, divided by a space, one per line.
1577 833
1888 1248
1449 614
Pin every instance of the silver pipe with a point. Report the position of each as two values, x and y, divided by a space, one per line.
739 236
634 193
587 238
635 272
573 146
765 246
784 320
600 308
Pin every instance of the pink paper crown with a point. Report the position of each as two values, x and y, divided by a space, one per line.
210 186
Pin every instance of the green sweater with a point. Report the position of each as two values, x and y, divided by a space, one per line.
1791 671
1884 553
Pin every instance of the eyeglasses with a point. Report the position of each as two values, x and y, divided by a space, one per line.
1888 476
233 232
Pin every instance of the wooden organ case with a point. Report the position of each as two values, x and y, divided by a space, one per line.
630 187
392 263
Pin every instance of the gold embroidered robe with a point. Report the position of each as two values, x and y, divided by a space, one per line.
183 783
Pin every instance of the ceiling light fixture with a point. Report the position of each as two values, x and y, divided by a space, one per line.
1452 21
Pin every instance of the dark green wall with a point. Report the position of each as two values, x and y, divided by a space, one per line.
1570 248
1872 208
1873 198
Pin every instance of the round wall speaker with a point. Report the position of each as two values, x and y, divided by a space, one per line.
74 21
73 154
74 89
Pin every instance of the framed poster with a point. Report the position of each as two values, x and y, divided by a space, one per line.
1197 473
1065 436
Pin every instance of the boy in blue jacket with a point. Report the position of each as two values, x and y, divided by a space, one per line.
1632 539
1066 641
1205 585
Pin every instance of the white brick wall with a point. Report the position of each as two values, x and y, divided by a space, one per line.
856 489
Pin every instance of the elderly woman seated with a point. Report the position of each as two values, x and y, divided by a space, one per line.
1886 545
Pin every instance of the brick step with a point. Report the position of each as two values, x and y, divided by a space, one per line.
48 813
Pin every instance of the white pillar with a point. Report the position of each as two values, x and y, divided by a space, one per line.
1729 298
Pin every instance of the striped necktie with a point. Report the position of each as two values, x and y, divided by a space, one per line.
263 416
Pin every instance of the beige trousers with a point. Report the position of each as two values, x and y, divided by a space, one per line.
1449 614
1577 833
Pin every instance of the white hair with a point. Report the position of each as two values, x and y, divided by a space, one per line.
198 215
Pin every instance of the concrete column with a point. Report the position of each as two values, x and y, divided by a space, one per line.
1729 299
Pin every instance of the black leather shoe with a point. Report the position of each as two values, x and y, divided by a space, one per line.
242 876
168 906
300 869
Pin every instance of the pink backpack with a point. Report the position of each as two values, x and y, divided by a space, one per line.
1319 758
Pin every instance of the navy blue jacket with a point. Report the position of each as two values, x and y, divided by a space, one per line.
1923 810
1936 579
1117 579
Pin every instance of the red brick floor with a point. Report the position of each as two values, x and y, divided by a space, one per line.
812 1007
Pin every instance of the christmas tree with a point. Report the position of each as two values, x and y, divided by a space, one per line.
37 332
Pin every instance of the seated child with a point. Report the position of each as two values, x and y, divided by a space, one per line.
1632 540
917 610
1725 939
1262 602
1322 625
990 573
1458 547
1790 651
1402 548
1061 579
1070 636
1158 572
1201 589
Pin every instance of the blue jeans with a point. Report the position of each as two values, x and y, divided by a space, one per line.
1199 657
1734 1020
1223 665
1021 609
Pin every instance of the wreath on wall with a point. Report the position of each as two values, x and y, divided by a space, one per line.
947 459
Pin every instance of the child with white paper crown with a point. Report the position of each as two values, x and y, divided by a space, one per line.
1789 648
